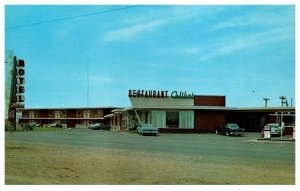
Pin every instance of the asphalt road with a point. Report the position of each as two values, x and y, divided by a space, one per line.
246 147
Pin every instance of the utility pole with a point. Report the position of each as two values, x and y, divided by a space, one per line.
87 92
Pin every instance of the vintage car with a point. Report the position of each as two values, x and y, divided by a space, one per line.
55 125
148 129
99 126
230 129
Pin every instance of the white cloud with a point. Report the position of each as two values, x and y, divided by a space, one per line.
127 33
266 19
157 18
230 45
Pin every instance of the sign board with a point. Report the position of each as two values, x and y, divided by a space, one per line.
159 94
20 82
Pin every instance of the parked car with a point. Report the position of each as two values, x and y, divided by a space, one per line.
55 125
275 129
99 126
148 129
230 129
34 124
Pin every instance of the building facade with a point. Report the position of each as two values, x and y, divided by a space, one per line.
179 112
196 113
69 117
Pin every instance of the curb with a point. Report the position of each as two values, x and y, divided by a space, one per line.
284 140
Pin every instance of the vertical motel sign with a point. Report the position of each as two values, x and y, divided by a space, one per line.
17 97
20 82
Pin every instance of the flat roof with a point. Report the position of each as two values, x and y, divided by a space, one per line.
58 118
188 107
218 108
62 108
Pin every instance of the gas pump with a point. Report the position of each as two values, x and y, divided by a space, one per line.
267 132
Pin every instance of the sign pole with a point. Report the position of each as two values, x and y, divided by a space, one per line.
16 91
13 97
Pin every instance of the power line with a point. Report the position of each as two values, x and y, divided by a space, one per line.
71 17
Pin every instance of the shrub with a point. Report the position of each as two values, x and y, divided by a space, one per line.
8 126
27 127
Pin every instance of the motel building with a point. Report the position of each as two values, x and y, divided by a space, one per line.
68 117
170 111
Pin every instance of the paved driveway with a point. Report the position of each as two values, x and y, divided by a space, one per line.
196 144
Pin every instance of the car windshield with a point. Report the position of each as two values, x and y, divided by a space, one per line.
275 127
233 126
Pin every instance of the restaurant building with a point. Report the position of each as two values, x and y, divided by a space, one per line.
183 112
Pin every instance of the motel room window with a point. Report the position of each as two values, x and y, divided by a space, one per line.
172 120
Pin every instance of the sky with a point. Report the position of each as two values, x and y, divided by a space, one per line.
90 56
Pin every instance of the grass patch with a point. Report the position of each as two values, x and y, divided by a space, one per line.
20 129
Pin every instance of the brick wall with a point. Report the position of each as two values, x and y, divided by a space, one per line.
208 121
209 100
71 113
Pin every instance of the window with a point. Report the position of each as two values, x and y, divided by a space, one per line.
145 117
172 120
158 119
186 119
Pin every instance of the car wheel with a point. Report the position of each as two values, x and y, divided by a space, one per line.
227 133
217 132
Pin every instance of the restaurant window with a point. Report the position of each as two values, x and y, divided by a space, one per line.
186 119
172 119
158 118
145 117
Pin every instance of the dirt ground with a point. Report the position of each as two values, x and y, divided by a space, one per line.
42 163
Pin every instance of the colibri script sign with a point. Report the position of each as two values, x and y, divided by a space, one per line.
159 94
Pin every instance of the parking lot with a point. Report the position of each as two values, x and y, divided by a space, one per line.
82 156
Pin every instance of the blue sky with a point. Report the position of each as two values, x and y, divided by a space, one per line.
246 53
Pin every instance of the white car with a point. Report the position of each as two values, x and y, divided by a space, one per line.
275 129
55 125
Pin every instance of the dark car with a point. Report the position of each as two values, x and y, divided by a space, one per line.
99 126
230 129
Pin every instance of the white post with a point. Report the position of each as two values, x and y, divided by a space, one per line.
138 117
282 126
294 133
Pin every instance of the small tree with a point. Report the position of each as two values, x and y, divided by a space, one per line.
8 126
27 127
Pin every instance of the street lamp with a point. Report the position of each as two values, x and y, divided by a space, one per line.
283 100
266 101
